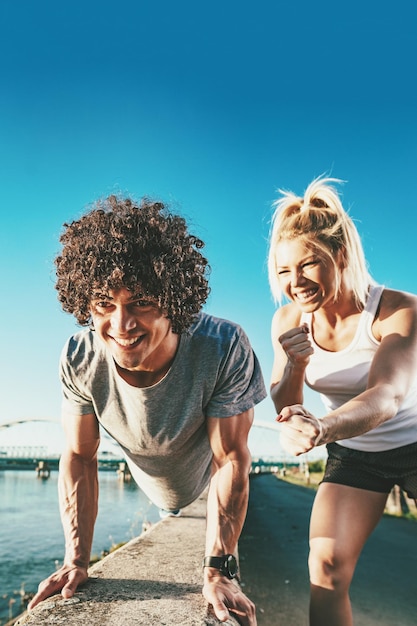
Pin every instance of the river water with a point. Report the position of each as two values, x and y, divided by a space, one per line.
31 536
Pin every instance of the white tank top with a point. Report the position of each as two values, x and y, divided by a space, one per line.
341 376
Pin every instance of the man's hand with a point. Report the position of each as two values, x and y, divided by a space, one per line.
227 599
65 580
301 431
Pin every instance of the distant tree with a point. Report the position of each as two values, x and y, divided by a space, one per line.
316 467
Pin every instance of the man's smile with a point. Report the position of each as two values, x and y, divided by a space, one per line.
127 343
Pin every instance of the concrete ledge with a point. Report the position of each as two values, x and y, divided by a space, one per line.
154 580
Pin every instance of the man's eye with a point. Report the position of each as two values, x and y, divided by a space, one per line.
282 272
145 303
102 305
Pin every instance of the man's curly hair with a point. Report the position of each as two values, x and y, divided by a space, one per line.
120 243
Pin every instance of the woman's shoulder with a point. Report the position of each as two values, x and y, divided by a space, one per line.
393 300
397 312
286 317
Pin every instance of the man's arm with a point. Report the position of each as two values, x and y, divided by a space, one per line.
78 500
226 511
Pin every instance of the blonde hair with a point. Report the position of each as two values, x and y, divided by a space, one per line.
321 222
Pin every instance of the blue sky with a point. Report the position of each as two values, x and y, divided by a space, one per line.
211 107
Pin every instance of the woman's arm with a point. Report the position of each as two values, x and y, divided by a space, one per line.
292 351
392 371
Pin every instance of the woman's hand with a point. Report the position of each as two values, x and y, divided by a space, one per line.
297 345
301 431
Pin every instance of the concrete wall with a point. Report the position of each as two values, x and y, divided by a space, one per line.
153 580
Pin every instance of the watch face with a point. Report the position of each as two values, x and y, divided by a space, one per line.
230 566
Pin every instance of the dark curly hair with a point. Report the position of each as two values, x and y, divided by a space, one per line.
120 243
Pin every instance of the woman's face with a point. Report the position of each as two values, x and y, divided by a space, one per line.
304 276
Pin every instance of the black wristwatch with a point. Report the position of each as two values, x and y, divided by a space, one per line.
226 564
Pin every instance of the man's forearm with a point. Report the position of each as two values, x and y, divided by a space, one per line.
78 499
226 506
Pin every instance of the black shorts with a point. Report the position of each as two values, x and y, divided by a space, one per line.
375 471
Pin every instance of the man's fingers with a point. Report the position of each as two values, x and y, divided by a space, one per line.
42 594
221 612
75 578
64 581
68 591
239 606
227 599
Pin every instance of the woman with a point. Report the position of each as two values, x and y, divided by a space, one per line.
354 342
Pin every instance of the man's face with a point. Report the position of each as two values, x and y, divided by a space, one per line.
134 329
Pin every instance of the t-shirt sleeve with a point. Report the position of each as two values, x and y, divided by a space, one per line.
75 398
240 385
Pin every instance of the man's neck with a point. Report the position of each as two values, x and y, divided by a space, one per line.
147 376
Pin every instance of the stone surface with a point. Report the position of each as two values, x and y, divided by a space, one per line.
155 579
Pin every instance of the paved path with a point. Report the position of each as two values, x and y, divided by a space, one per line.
274 548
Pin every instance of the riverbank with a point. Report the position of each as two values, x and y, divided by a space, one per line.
31 536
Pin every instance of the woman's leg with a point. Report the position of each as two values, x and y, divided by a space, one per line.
341 521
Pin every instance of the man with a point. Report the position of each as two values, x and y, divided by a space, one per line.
175 387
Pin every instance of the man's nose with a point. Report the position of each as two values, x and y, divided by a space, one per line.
122 320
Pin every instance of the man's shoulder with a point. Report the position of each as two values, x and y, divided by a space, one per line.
82 348
211 327
82 339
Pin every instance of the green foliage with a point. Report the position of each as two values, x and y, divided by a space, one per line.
317 467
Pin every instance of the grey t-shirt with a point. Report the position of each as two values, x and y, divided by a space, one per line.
162 429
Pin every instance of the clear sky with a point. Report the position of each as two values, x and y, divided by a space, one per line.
211 107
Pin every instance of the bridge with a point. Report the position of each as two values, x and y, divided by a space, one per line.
36 457
263 442
27 420
257 423
267 454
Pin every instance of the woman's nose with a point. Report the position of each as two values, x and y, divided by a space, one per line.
297 277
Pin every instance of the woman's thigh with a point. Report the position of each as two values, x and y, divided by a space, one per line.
341 521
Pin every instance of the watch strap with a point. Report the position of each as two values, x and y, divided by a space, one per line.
226 564
213 561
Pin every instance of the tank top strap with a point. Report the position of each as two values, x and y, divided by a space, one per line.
371 307
372 303
368 314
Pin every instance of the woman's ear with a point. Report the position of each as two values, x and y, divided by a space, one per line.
341 258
